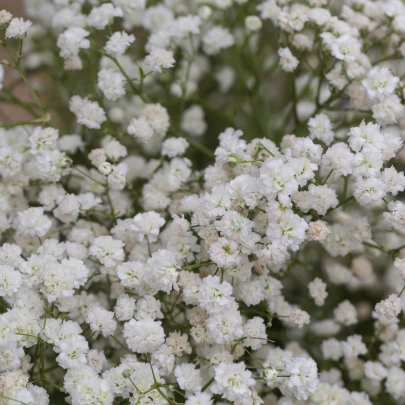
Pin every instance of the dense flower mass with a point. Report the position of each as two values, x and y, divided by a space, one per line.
201 202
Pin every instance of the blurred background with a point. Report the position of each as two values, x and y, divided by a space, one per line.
9 112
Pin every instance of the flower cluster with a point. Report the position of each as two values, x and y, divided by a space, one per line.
201 202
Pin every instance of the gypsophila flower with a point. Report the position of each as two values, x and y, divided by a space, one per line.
212 214
17 28
88 113
160 59
148 225
5 17
299 318
108 250
380 83
302 378
288 61
320 128
33 222
100 17
253 23
10 280
317 290
345 48
389 308
216 39
72 40
232 381
118 43
140 130
174 146
144 336
111 84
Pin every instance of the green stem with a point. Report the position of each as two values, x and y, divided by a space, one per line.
200 147
45 119
207 385
327 177
12 399
128 79
340 204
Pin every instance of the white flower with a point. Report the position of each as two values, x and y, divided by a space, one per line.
319 15
216 39
163 264
125 307
277 178
255 333
5 17
320 127
365 135
43 139
188 377
288 61
318 198
144 336
224 252
200 398
148 225
317 230
332 349
288 230
72 351
389 308
108 250
111 83
131 273
232 381
71 41
345 48
299 318
395 382
375 370
193 122
87 112
33 222
317 290
253 23
172 147
368 191
17 28
10 280
58 281
215 296
157 117
225 326
100 17
101 321
345 313
380 83
118 43
303 377
394 181
339 157
140 130
353 347
159 59
51 165
388 111
10 161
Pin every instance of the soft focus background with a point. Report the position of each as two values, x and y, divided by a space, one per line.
9 112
